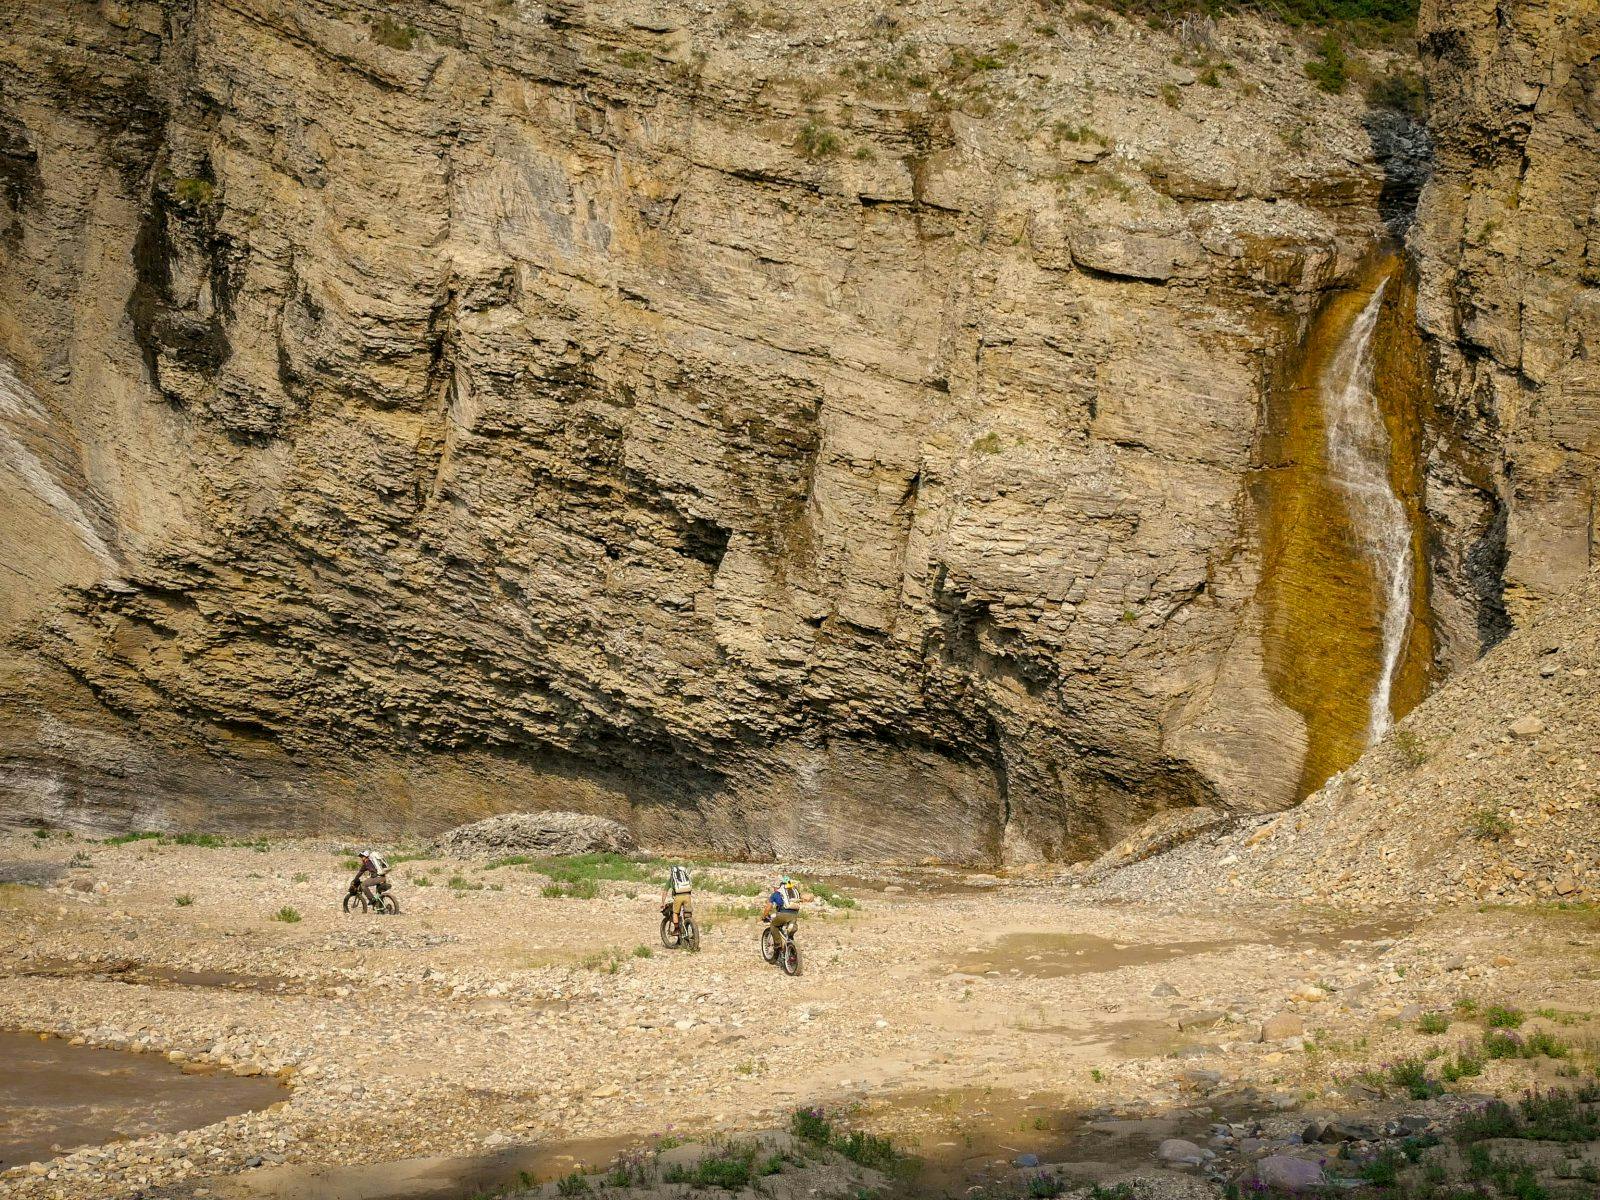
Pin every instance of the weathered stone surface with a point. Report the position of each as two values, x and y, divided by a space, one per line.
1179 1152
537 833
1281 1026
1289 1174
422 411
1505 244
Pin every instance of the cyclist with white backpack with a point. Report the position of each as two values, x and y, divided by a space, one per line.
677 895
783 908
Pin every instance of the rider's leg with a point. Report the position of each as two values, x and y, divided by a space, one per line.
679 903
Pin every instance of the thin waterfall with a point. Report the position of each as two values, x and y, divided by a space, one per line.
1359 456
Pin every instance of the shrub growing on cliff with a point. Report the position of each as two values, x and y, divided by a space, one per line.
194 193
386 31
1377 16
1330 69
1401 91
816 140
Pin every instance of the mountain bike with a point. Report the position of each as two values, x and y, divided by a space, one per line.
780 948
356 898
687 936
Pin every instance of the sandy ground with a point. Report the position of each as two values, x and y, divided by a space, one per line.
494 1030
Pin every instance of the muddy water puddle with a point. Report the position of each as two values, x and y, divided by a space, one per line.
159 976
968 1137
440 1178
1057 955
1335 934
1120 1039
56 1097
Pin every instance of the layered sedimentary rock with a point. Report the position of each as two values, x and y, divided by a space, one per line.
1508 246
834 431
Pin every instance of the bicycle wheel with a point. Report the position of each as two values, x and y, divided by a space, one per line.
791 958
669 939
389 905
691 933
769 950
354 901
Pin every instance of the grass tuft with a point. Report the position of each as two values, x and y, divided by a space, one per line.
1433 1022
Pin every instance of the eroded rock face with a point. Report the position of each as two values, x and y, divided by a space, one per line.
1509 259
817 432
537 833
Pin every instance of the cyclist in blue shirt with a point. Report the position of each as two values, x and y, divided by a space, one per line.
783 908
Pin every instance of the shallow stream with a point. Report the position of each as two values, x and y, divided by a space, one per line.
56 1097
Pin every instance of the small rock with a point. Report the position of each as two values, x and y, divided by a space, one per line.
1284 1025
1179 1152
1527 727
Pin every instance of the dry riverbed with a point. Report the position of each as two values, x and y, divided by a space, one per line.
503 1029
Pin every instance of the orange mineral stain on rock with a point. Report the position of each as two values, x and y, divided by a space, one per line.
1329 576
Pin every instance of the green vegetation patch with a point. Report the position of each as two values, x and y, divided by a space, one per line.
396 35
813 1125
1329 68
816 140
831 896
1433 1022
733 1166
210 841
1500 1016
1386 17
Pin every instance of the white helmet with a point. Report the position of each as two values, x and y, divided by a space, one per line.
368 853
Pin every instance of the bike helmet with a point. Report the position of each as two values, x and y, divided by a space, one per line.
785 881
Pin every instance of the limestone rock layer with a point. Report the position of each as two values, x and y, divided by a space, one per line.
831 431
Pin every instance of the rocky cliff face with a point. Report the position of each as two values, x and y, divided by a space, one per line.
1508 246
830 430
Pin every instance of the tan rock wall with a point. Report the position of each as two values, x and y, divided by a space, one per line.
1506 245
816 431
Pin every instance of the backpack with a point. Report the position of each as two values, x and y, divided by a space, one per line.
680 881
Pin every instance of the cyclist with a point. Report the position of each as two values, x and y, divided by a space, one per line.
783 908
372 864
677 895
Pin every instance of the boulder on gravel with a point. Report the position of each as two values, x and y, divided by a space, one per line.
537 833
1286 1173
1180 1152
1284 1025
